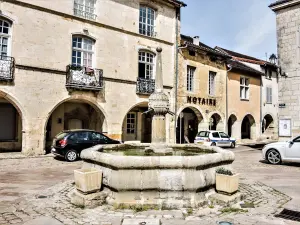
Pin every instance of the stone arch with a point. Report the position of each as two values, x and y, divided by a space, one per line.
189 121
20 124
137 125
233 128
84 109
216 121
248 127
268 125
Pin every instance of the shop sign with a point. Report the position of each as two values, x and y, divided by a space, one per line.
202 101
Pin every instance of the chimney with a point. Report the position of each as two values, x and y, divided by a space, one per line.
196 40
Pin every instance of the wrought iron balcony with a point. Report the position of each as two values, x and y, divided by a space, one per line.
7 68
145 86
83 78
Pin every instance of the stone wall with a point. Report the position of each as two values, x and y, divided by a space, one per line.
288 36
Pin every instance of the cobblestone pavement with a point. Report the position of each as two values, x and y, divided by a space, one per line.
45 194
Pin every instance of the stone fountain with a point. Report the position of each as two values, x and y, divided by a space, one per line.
157 174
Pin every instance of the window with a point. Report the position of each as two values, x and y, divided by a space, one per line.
297 139
269 95
130 123
146 65
212 78
203 134
269 74
85 9
223 135
244 88
4 37
190 78
80 136
215 135
147 17
192 53
83 51
98 137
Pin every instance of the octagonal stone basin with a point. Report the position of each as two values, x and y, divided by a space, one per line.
171 181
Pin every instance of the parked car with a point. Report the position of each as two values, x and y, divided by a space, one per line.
279 152
214 138
69 144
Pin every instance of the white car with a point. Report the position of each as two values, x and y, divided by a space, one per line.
279 152
214 138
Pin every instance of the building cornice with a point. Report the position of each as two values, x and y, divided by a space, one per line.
65 15
283 4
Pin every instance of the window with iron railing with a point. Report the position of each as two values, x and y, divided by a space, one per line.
190 78
82 51
212 83
85 9
147 21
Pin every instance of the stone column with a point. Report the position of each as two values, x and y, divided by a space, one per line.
159 103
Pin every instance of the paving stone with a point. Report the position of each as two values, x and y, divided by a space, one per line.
44 221
140 222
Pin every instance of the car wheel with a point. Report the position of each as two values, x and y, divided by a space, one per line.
273 157
213 144
232 145
71 156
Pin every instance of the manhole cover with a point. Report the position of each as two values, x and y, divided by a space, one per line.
225 223
41 196
289 215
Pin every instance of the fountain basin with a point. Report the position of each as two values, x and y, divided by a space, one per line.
170 181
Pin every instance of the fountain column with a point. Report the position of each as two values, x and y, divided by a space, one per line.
159 103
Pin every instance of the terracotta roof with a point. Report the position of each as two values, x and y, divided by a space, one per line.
177 3
278 2
189 41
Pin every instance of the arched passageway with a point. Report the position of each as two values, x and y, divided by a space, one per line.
232 125
187 125
10 126
268 125
248 128
137 125
74 114
215 122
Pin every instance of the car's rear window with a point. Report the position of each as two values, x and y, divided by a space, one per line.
203 134
62 135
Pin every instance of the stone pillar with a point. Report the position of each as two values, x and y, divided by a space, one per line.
159 129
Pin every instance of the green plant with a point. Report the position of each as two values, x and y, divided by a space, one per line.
224 171
233 210
211 206
189 211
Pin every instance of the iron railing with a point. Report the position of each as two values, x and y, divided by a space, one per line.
83 11
148 32
7 68
145 86
79 77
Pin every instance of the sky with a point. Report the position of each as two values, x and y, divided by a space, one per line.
245 26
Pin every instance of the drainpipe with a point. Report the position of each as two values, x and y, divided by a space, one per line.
261 106
226 116
176 77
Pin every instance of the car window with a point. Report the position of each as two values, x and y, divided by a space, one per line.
203 134
223 135
61 135
215 135
98 137
297 139
80 136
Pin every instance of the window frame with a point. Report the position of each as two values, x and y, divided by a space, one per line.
246 87
83 51
150 64
269 95
84 6
212 89
131 130
7 35
146 24
190 78
215 132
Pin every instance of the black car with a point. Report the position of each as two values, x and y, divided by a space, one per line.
69 144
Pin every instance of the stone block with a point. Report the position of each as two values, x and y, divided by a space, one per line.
226 200
88 180
226 183
141 222
87 201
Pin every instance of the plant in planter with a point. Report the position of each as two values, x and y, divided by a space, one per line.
226 181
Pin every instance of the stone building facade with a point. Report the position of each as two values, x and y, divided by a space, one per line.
288 38
201 96
266 123
65 65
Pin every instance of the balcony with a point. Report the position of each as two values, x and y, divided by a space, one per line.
84 11
145 86
82 78
7 68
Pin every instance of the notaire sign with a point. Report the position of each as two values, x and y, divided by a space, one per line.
201 101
